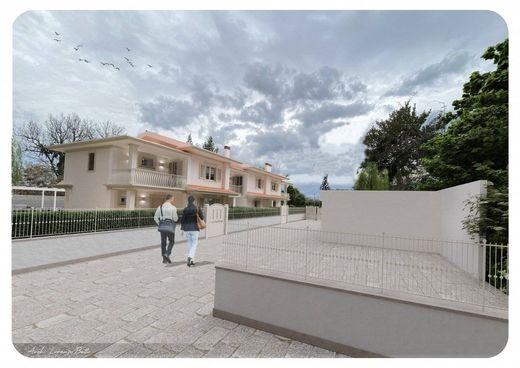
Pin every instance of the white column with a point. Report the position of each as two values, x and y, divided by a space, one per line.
43 198
54 203
130 199
132 156
227 175
226 215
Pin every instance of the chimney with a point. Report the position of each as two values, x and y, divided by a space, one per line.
226 151
267 167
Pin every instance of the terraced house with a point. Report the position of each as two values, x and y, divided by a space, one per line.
136 172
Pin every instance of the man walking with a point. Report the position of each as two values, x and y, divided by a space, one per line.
167 211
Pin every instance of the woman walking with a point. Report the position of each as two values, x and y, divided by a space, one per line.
189 225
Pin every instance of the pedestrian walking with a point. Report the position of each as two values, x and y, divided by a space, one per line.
165 217
192 222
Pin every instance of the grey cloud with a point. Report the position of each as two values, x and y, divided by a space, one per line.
166 112
264 78
452 64
329 110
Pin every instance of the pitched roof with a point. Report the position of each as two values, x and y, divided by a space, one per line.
200 188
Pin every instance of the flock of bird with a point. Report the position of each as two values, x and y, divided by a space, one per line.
104 63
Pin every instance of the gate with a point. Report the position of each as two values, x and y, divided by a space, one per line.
216 218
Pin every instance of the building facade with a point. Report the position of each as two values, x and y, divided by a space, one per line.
137 172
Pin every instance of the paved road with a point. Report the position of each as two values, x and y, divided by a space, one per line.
134 306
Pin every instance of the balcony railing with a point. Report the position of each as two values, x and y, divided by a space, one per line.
236 188
148 178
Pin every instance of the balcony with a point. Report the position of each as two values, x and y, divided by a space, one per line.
148 178
236 188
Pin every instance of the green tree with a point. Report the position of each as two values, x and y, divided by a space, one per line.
210 145
370 178
189 140
475 144
325 183
16 163
394 144
296 198
489 216
37 137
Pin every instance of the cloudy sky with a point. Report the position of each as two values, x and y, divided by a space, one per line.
296 89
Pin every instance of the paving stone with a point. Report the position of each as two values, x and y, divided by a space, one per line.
113 336
191 352
210 338
274 348
298 349
53 320
238 335
321 353
250 348
265 334
221 350
143 334
139 324
135 315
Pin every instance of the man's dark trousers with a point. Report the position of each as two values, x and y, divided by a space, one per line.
171 241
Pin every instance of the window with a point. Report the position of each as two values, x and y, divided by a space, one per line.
259 183
122 201
210 173
257 204
274 187
147 162
91 160
236 180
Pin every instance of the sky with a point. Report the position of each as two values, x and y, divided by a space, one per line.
297 89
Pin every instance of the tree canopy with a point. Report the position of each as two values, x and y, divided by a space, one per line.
370 178
37 137
210 145
475 143
395 143
325 183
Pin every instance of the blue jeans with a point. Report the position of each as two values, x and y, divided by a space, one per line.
192 238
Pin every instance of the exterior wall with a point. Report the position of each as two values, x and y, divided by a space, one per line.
432 215
193 177
90 191
354 323
407 214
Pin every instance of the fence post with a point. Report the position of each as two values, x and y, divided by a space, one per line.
483 262
247 244
95 220
382 261
138 218
226 215
306 250
206 212
32 222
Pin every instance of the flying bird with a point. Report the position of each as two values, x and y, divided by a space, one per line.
117 68
56 33
127 59
80 59
55 39
131 64
127 49
86 61
149 66
76 48
102 63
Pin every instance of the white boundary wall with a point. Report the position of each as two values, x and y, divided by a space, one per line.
412 214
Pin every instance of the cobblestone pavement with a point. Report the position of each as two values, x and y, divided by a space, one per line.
135 306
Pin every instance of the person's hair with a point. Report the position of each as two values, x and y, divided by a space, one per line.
191 199
168 197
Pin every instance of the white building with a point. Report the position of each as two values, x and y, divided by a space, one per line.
137 172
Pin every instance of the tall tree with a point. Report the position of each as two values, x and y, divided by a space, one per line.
189 140
475 144
296 198
370 178
210 145
394 144
16 163
37 137
325 183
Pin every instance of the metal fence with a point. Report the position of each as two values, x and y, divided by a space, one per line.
37 222
454 272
